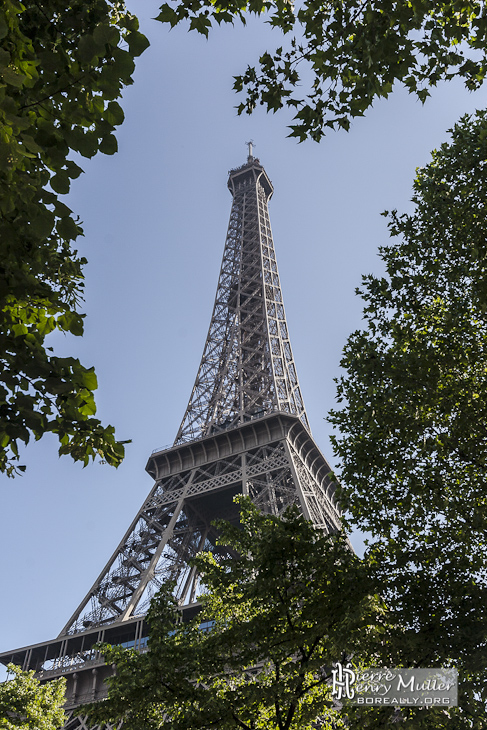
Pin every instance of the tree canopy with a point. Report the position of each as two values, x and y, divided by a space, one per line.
276 614
62 68
286 603
26 704
339 56
413 421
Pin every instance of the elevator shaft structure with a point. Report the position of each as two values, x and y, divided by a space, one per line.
245 431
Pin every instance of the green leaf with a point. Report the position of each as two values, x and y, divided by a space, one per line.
42 224
88 48
61 209
12 78
73 170
106 33
31 144
89 379
114 113
60 182
201 24
109 145
168 15
124 64
3 25
137 43
19 330
87 144
70 322
67 228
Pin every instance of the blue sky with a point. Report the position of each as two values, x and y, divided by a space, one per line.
155 218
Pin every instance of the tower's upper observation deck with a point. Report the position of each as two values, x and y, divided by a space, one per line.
252 172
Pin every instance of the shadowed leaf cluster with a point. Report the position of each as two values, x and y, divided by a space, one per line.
413 422
292 602
62 68
339 56
26 704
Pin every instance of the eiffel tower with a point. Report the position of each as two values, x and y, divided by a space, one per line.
245 431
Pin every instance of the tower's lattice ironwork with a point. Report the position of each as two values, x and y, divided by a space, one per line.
245 431
247 366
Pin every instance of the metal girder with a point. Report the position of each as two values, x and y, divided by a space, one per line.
175 521
80 722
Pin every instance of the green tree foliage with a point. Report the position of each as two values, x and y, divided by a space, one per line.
289 603
413 424
25 704
62 68
341 55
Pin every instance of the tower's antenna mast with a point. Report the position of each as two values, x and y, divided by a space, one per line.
250 144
